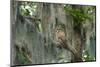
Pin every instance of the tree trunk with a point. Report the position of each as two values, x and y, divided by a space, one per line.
76 38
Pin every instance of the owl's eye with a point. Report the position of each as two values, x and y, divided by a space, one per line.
57 31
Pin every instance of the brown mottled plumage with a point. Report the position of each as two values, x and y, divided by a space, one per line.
60 36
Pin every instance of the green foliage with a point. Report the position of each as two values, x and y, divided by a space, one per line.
27 9
21 56
79 15
87 57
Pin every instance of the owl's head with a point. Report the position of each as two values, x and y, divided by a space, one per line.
59 33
